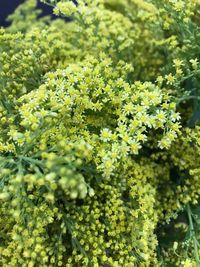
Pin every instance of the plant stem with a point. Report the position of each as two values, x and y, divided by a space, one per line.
191 225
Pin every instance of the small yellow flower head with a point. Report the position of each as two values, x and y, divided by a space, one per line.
170 78
65 8
187 263
194 63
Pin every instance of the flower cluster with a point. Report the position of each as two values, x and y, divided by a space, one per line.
99 138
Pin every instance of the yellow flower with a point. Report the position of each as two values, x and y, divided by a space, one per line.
194 63
170 78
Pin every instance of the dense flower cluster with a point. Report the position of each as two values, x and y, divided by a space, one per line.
99 139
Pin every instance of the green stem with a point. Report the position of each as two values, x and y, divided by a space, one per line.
191 225
31 160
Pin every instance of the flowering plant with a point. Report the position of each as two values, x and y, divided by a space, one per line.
100 136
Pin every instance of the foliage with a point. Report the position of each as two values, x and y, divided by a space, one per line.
100 135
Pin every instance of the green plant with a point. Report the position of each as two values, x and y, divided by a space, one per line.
100 137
